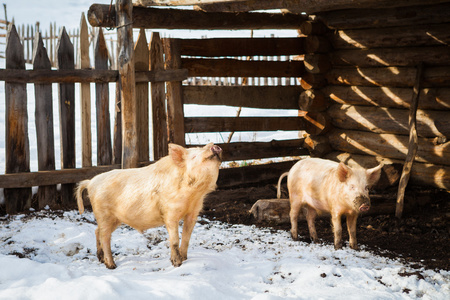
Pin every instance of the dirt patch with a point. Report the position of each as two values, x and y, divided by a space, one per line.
420 238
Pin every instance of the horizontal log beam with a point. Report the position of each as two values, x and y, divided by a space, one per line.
231 177
242 46
100 15
430 123
242 68
273 97
385 57
389 145
258 150
386 17
430 98
83 75
404 36
388 76
421 174
220 124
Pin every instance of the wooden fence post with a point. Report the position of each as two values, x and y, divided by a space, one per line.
124 9
175 113
104 149
17 144
65 60
46 195
85 94
141 63
160 141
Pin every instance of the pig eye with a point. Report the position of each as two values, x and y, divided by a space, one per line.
367 187
352 186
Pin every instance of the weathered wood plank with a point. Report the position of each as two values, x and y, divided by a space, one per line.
430 123
104 147
85 95
117 140
389 145
175 113
405 36
141 63
275 97
389 57
257 150
17 147
124 12
430 98
220 124
66 94
71 76
158 96
388 76
386 17
46 195
242 68
99 15
242 46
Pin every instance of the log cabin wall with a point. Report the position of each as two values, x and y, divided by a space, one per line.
369 60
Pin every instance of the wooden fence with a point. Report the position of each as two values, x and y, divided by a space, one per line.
18 180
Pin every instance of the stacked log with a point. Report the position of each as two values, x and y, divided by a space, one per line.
370 88
313 103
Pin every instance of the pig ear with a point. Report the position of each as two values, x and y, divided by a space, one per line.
343 172
373 175
178 154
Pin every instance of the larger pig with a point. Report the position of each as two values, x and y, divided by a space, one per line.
170 190
318 185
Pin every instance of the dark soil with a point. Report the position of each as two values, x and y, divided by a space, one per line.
420 238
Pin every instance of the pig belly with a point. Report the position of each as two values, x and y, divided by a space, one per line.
315 203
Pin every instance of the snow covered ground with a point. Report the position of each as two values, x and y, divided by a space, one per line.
224 262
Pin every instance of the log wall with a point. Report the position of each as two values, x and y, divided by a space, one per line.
369 88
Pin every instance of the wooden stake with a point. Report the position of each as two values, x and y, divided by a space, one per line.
412 146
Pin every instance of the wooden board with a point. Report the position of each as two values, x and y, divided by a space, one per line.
273 97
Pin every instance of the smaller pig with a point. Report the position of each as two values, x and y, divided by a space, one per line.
324 186
163 193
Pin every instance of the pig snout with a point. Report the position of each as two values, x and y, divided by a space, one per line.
217 151
362 203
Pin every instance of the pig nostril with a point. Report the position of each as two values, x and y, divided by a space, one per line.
216 149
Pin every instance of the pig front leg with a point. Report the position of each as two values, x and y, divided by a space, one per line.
337 229
188 227
174 241
351 227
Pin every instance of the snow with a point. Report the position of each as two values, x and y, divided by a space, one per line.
50 255
224 262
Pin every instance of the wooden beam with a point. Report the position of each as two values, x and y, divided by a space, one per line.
242 46
220 124
386 17
389 145
242 68
298 6
385 57
257 150
274 97
175 112
86 76
430 123
430 98
388 76
403 36
158 98
177 2
99 15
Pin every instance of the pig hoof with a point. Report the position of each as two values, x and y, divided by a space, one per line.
111 266
354 247
337 247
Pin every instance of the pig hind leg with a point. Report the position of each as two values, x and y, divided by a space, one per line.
311 214
103 232
296 206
